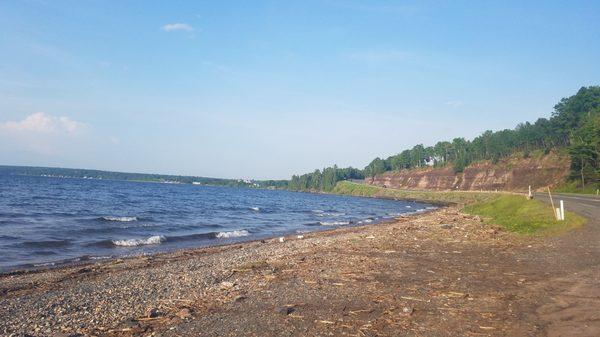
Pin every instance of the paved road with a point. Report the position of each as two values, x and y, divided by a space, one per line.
586 205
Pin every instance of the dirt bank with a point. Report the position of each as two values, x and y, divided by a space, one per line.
512 174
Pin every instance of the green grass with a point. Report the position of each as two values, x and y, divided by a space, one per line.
519 215
573 187
458 197
513 212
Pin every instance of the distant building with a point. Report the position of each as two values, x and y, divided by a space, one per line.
429 161
432 160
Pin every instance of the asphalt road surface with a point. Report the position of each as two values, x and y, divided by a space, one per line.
586 205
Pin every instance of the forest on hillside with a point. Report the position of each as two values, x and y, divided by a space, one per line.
574 125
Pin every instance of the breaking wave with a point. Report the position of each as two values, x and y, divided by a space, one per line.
232 234
153 240
334 223
119 218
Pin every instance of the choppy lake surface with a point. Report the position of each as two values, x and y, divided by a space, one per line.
46 220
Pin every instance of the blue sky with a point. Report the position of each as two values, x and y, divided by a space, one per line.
268 89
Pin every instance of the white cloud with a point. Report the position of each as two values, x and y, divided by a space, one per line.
174 27
42 134
454 104
40 122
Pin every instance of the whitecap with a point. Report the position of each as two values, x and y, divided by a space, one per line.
334 223
153 240
120 218
256 209
329 214
232 234
336 214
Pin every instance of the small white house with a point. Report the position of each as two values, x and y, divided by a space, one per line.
431 161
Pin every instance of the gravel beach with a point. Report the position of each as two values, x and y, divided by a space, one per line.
442 273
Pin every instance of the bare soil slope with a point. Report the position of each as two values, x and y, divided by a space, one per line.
512 174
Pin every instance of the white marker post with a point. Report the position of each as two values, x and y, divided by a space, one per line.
562 210
529 196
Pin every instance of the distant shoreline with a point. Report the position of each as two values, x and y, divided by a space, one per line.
92 174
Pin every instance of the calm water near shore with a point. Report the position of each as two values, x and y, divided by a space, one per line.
46 220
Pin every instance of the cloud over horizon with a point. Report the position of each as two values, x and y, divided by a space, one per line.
41 122
42 134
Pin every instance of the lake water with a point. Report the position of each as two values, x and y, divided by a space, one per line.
46 220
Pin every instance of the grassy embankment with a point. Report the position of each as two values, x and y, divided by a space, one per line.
574 187
511 211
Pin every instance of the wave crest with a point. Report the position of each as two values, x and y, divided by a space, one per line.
232 234
334 223
153 240
119 218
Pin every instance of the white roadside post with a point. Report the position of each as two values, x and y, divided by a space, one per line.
529 196
562 210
